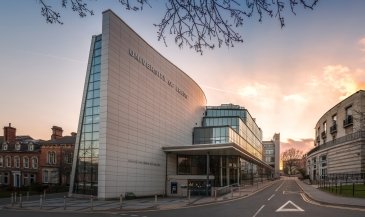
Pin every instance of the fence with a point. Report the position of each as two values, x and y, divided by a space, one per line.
340 140
344 184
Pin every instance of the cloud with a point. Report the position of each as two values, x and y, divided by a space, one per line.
295 98
253 90
342 79
362 44
303 144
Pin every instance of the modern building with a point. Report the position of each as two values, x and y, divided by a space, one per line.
227 150
272 154
140 113
339 140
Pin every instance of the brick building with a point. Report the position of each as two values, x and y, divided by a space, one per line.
19 157
25 161
56 157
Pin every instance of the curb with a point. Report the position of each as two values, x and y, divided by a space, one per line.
146 209
320 202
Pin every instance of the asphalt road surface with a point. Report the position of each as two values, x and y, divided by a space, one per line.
284 198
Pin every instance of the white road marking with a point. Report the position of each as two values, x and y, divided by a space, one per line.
271 197
258 211
279 186
283 209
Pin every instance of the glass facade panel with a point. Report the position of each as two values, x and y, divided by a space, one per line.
88 154
232 124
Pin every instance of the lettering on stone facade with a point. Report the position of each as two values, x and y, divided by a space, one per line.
144 162
157 73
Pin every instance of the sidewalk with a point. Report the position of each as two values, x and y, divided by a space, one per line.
88 205
323 197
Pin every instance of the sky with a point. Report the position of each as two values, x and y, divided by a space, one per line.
286 77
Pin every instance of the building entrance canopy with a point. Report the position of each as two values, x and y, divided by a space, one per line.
226 149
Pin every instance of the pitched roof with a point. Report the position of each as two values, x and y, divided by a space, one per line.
60 141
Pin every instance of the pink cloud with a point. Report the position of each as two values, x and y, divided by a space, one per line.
303 144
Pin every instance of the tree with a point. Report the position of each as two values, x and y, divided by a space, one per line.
292 161
198 24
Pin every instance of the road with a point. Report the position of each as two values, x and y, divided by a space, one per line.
281 199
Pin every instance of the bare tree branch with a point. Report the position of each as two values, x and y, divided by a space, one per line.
291 159
198 24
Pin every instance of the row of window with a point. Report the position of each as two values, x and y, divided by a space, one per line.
18 146
51 159
28 179
7 162
333 127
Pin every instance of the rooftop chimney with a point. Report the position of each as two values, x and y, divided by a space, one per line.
56 132
9 134
73 134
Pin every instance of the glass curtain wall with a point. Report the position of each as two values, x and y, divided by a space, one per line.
224 168
86 177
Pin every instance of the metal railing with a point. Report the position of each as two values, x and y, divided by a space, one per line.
343 139
226 189
348 184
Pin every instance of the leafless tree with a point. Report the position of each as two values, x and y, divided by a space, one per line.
198 24
292 160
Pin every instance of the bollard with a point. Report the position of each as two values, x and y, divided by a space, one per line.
231 192
215 194
155 198
189 195
12 198
44 194
15 200
40 201
92 203
27 195
20 201
239 189
64 202
121 200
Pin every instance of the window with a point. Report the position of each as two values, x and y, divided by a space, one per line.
269 159
5 179
50 176
17 146
334 119
25 162
30 147
45 176
16 162
8 161
348 118
25 179
1 161
51 157
32 178
34 162
348 111
68 158
269 151
325 126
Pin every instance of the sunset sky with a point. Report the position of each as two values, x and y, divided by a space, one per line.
287 78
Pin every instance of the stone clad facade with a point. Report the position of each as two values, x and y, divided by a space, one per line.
135 102
339 139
